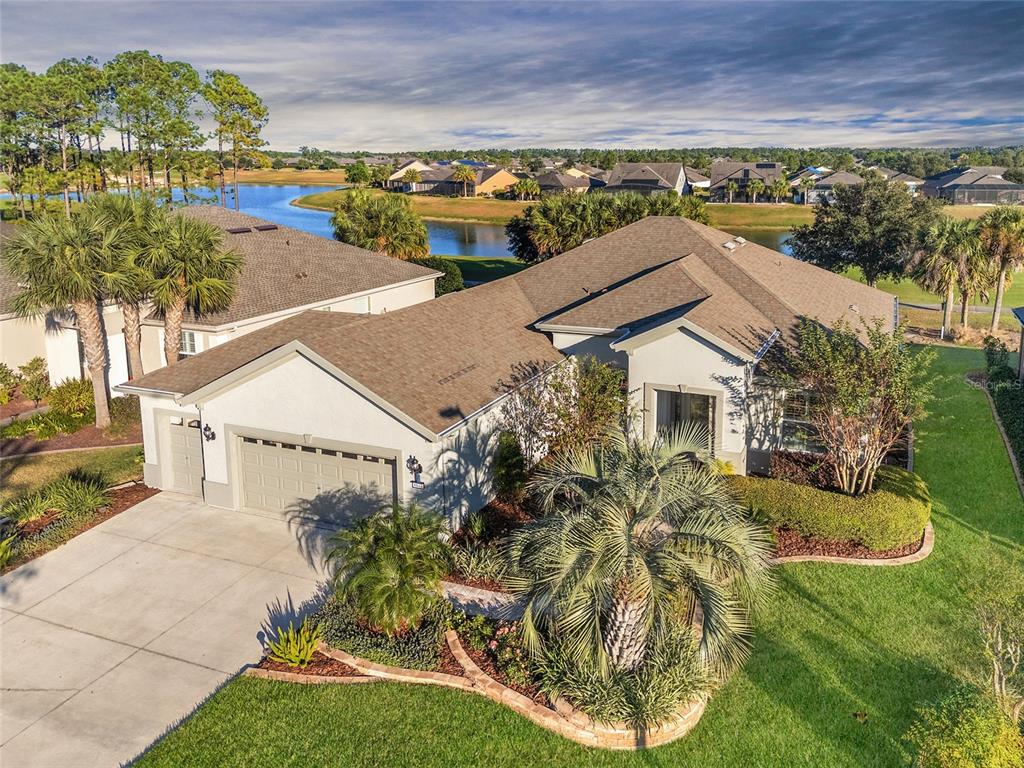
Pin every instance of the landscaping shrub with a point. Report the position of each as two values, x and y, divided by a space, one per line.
451 276
77 495
8 549
965 730
671 675
71 396
8 383
1007 393
417 648
484 562
509 469
35 380
893 515
43 426
295 647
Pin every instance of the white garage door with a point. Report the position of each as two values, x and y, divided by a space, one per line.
186 456
278 476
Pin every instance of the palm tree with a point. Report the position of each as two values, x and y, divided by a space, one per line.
806 185
412 177
190 269
634 534
526 189
755 187
464 175
947 261
389 565
1002 235
780 188
135 215
70 262
732 188
383 223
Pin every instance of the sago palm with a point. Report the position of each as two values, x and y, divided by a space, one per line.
389 565
70 262
191 270
1002 235
635 533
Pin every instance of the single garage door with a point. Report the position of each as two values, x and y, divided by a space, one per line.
186 456
277 476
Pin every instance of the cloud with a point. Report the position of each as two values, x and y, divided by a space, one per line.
392 76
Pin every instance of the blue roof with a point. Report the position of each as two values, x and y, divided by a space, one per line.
1019 314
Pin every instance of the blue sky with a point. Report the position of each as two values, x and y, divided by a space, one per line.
393 76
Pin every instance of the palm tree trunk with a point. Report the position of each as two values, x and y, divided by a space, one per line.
133 339
173 318
90 326
625 637
964 303
947 310
998 308
64 180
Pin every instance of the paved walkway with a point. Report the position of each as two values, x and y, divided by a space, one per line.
111 639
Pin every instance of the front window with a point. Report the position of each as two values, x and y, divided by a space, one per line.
675 409
798 432
188 344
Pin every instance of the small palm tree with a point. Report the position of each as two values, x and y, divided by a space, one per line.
191 270
464 175
806 185
780 188
389 565
1002 235
632 531
526 189
732 188
412 177
70 262
383 223
755 187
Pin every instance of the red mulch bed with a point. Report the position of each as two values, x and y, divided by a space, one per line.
87 437
789 542
447 663
319 665
486 663
458 578
16 407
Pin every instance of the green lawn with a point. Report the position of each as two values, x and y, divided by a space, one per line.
836 640
485 270
21 475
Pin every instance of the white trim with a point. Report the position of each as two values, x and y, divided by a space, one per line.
574 329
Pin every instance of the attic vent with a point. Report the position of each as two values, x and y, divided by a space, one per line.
300 275
265 227
729 246
741 241
238 230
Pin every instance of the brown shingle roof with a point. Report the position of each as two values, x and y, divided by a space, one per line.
722 171
285 268
442 360
648 174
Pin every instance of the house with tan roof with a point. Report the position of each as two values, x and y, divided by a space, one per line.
975 185
654 178
489 181
361 409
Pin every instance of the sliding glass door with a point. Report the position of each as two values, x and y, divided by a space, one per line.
674 409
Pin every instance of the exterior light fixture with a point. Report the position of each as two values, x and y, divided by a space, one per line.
208 433
416 470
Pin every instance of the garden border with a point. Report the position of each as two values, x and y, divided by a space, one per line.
563 720
927 545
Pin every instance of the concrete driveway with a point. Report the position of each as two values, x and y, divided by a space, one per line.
114 637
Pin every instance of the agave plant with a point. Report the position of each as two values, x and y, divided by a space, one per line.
389 566
633 530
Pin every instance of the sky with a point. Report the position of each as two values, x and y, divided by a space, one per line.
394 76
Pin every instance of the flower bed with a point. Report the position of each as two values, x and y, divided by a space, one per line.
790 543
321 665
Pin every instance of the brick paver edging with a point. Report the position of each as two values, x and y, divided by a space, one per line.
563 720
303 679
927 545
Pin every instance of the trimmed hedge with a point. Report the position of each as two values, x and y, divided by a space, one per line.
1007 393
893 515
451 276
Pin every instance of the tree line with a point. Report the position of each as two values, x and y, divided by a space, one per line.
56 127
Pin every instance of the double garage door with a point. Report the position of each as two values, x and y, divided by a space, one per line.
285 476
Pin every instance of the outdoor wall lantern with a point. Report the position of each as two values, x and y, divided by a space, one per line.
208 433
416 470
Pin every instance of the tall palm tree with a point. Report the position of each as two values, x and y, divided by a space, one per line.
70 262
135 215
465 175
755 187
946 261
635 534
1002 235
412 177
383 223
806 185
191 270
780 188
732 188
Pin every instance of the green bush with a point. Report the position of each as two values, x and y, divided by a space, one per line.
480 561
891 516
1007 393
509 469
71 396
35 380
27 508
965 730
295 647
46 425
77 495
417 648
8 383
451 276
8 549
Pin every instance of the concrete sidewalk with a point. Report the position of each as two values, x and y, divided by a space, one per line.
111 639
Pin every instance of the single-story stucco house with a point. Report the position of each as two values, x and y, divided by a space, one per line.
404 406
653 178
285 271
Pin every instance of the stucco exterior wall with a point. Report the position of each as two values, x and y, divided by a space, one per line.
21 339
685 362
581 345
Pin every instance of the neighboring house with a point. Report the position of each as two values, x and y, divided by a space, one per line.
653 178
1019 314
724 171
974 186
824 187
54 336
583 169
553 183
329 408
489 181
396 181
286 271
913 183
813 172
